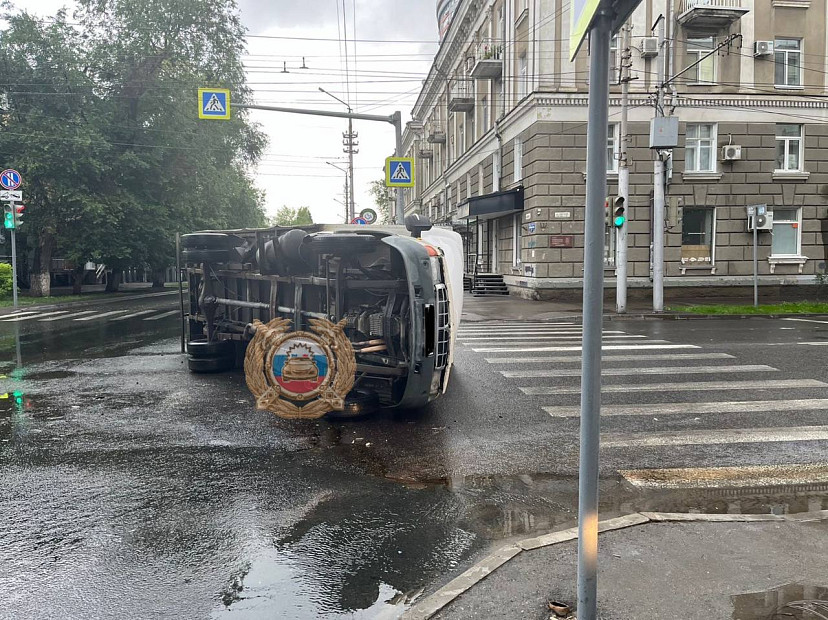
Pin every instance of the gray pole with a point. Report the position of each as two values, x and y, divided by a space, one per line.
351 208
14 261
623 181
596 191
180 291
658 190
396 119
755 267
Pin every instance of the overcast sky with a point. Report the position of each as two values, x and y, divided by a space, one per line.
390 48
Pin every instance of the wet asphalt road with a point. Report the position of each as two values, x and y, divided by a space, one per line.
132 489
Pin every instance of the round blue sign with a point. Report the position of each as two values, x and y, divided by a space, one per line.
10 179
359 220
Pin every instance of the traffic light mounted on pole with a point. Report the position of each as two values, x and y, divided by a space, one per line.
18 215
8 217
619 213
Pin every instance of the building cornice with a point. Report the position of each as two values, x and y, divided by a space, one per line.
752 101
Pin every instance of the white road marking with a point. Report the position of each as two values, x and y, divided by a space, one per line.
805 320
161 316
68 316
617 372
16 315
653 344
716 437
610 358
134 314
34 316
511 323
607 335
690 386
100 316
728 477
819 343
691 408
517 333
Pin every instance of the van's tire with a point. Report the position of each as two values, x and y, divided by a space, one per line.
357 405
210 364
210 241
202 348
205 256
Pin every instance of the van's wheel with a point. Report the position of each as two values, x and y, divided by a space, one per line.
210 364
202 348
357 404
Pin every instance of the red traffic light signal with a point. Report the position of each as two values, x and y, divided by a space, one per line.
18 214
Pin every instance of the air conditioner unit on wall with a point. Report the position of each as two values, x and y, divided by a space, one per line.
762 222
731 152
649 47
762 48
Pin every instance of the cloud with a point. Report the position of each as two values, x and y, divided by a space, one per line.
261 15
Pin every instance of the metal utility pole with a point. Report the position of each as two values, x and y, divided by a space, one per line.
348 190
599 39
395 119
14 264
658 182
349 143
623 178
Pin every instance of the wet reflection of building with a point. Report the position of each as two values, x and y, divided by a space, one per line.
794 601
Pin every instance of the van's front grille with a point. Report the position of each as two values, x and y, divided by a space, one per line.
443 335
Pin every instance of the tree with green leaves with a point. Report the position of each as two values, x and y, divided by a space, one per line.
285 216
383 198
114 158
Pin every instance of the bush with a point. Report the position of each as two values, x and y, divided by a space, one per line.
5 279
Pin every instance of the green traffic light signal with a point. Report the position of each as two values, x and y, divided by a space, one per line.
619 221
8 217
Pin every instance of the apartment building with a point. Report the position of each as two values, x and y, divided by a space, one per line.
499 135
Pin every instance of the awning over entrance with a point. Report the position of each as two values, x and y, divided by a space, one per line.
491 206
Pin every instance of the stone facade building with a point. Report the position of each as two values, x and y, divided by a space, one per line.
500 140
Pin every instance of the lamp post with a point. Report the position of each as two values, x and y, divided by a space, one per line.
349 148
348 190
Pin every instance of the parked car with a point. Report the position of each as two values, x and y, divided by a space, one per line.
398 290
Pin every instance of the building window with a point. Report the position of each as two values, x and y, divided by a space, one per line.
517 229
485 110
788 147
462 131
615 70
700 148
518 160
786 234
698 231
523 76
705 71
787 56
613 147
452 149
481 185
496 171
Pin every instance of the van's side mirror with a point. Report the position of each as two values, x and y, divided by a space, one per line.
416 224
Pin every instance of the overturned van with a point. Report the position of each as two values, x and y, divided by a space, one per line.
392 295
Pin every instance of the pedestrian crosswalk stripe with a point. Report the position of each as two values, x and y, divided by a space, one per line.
162 315
100 316
566 359
67 316
36 315
820 343
659 370
16 315
133 315
499 324
539 335
728 477
509 330
652 344
716 437
804 320
690 386
533 332
607 335
692 408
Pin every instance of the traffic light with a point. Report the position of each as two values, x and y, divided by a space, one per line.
18 215
620 213
8 217
607 213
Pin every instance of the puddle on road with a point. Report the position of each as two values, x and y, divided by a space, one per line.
793 601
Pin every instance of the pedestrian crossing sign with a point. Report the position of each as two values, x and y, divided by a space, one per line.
214 103
399 172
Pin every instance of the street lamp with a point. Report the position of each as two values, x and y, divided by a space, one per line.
348 190
349 148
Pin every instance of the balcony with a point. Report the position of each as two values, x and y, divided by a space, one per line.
710 14
461 95
488 63
435 133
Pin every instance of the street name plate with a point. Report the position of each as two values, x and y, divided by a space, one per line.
561 241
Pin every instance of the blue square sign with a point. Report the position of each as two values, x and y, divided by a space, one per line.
399 172
214 103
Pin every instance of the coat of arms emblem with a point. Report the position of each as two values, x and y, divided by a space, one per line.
300 374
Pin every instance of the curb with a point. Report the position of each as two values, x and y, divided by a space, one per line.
666 316
83 302
465 581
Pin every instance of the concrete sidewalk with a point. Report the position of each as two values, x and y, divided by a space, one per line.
653 566
504 307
